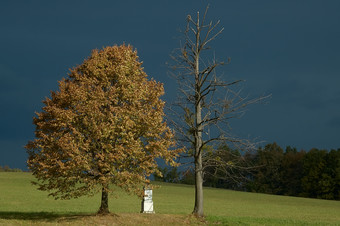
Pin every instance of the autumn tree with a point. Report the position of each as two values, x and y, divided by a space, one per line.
207 102
103 127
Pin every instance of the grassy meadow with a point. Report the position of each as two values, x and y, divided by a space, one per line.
22 204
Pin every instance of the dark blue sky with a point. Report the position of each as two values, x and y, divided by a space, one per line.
290 49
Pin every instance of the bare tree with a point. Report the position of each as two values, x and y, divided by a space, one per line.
206 102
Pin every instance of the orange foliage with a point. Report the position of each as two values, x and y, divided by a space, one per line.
104 126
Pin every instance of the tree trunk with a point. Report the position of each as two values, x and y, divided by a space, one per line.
198 209
104 207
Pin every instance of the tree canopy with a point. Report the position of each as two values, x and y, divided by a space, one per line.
104 126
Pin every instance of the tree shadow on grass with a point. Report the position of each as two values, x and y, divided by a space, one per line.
42 216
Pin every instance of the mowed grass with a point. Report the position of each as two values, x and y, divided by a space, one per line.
22 204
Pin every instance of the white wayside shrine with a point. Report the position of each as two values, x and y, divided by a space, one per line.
147 203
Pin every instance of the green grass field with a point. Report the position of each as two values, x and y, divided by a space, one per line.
22 204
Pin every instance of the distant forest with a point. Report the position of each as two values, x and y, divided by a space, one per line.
8 169
273 170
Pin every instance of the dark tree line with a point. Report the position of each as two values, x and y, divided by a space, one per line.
273 170
313 174
8 169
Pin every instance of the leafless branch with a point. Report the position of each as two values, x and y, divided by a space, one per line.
207 102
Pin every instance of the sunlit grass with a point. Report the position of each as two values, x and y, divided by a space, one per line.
22 203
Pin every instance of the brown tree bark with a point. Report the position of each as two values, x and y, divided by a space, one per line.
198 208
104 206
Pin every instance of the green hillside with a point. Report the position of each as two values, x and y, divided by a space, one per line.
21 203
